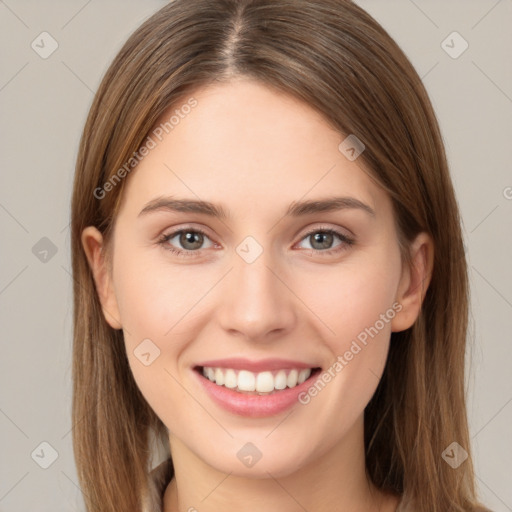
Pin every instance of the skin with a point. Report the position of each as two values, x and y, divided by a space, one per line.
255 151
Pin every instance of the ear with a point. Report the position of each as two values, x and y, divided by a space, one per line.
414 283
92 242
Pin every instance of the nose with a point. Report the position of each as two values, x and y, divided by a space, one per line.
256 302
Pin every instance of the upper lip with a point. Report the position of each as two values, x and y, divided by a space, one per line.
256 366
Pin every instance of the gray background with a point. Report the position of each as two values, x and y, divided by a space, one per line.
44 103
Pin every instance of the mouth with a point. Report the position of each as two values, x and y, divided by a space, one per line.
263 383
255 388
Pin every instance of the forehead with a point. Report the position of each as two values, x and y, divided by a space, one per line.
250 147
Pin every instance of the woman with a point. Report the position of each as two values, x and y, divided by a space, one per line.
225 136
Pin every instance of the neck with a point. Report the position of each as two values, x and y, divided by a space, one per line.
335 480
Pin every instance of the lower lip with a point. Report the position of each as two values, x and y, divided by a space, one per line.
255 406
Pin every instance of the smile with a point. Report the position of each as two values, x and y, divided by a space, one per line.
261 383
255 388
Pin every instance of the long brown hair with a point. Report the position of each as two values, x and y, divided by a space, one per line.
335 57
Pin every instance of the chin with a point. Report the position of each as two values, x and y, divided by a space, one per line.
250 462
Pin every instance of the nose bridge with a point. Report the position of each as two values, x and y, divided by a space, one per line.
255 302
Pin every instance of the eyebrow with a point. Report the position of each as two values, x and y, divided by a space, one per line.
296 208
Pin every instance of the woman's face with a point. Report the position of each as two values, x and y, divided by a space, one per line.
266 291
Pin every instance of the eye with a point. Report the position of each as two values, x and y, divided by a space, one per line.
190 240
321 240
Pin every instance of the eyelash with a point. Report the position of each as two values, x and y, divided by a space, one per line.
164 239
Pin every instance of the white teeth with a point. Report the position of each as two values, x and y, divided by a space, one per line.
230 379
280 380
291 382
303 375
246 381
263 382
219 377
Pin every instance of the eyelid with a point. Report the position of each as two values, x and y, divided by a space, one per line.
344 232
341 230
171 232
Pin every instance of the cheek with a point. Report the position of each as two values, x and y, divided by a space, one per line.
355 298
155 304
155 299
357 303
